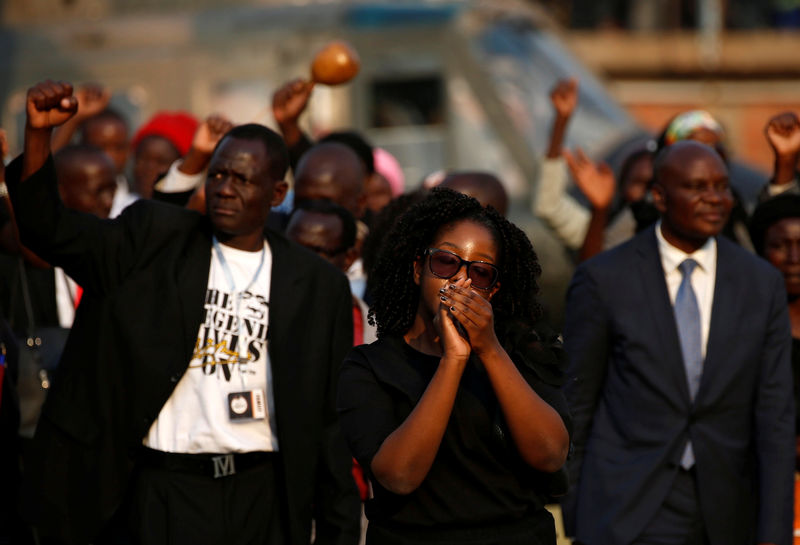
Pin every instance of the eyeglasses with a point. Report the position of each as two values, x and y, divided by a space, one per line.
444 264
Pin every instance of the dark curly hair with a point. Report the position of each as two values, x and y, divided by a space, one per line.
396 296
382 225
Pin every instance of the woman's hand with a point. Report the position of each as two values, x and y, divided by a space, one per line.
474 313
454 344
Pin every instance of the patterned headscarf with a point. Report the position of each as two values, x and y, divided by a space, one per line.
687 123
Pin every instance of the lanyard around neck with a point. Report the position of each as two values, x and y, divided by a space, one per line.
237 295
226 270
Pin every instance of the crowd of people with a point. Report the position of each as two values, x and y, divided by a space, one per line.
195 350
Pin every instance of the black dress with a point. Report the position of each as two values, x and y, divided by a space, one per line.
478 489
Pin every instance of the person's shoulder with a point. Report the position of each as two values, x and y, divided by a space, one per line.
389 361
618 259
375 355
383 345
150 207
735 260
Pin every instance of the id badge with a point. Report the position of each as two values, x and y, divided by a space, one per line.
247 405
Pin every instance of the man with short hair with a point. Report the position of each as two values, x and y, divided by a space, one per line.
330 231
86 179
326 229
681 396
196 387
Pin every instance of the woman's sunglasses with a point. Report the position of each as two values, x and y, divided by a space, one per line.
444 264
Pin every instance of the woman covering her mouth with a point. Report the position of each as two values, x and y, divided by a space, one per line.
456 411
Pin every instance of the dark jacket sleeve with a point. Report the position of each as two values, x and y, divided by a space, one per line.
774 426
93 252
180 198
365 407
98 254
337 505
586 343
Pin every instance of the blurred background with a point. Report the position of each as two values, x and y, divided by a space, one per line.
443 84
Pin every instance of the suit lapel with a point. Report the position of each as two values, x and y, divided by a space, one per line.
191 283
285 301
722 307
657 297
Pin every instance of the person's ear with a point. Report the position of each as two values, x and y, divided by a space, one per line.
492 291
418 263
659 197
279 191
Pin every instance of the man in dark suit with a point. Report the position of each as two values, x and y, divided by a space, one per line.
681 395
195 390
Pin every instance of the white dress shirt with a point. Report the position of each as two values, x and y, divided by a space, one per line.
703 276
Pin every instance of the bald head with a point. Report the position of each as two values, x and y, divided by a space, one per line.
331 171
691 192
672 163
482 186
86 179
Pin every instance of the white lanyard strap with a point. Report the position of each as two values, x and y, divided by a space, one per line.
237 295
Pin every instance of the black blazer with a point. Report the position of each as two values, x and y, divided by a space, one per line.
632 410
144 276
42 290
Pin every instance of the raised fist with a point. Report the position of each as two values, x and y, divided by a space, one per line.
564 97
783 133
49 104
210 131
290 100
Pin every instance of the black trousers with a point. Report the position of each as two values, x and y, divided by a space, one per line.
678 521
536 529
173 507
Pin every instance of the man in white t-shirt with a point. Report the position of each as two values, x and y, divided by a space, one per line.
195 394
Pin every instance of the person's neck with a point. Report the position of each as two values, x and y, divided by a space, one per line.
794 316
423 336
251 242
686 245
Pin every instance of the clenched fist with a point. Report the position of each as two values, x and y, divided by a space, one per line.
49 104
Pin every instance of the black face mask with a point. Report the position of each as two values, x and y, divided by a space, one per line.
645 214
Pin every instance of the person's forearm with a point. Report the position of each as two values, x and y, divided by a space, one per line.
595 233
194 162
557 133
536 428
291 132
785 169
406 455
63 134
36 150
559 210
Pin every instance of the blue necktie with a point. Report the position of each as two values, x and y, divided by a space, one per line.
687 317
